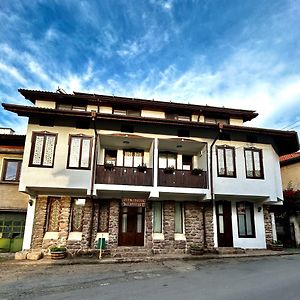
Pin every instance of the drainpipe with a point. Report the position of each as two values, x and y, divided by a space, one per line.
220 127
94 117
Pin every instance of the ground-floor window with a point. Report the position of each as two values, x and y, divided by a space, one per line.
54 208
245 215
179 217
103 216
77 215
12 225
157 217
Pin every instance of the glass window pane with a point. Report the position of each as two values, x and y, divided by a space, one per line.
74 152
221 161
138 159
120 112
11 170
220 209
38 149
85 154
172 160
249 165
162 161
124 222
242 227
248 220
157 217
49 150
178 218
139 224
257 165
128 159
229 162
221 224
54 215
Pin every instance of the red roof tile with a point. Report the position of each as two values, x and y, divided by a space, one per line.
289 156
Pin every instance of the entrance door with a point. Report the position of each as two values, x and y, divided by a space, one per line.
223 211
131 226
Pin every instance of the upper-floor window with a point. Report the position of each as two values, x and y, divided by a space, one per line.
133 158
128 112
110 157
216 120
80 150
42 149
11 170
245 216
66 106
187 162
254 163
167 160
226 161
179 117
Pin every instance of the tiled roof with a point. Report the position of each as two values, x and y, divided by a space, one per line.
288 157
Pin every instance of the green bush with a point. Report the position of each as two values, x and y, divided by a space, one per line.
58 249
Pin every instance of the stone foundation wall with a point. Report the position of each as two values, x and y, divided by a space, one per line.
268 225
39 223
193 225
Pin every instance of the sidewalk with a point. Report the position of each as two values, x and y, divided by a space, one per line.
8 258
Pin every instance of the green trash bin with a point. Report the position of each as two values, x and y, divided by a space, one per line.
103 245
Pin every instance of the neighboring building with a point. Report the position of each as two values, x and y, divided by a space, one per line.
13 204
288 215
153 174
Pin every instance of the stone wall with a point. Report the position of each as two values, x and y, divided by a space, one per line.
39 224
193 225
113 224
268 225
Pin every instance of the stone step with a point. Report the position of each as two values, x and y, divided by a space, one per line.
230 250
130 252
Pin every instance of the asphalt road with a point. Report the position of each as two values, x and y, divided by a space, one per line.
259 278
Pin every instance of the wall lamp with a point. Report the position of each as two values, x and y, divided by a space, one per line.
30 202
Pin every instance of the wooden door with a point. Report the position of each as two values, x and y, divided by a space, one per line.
224 225
131 226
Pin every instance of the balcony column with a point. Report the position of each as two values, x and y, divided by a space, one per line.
154 192
155 163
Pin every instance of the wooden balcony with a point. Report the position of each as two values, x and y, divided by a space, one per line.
180 178
123 175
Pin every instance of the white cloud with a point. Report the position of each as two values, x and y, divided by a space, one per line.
12 72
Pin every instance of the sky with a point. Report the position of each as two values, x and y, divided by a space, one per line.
232 53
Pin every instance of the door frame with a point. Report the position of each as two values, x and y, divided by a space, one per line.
224 239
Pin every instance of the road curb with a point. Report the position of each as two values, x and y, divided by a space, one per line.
93 261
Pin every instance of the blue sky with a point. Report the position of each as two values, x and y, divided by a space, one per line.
232 53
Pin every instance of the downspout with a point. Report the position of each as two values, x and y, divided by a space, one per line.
220 127
94 117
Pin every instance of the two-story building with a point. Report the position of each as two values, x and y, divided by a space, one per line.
147 175
13 204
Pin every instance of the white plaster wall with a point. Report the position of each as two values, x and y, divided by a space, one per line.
58 176
234 121
270 186
260 239
105 109
92 107
45 104
153 114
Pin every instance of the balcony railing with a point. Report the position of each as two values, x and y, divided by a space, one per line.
123 175
180 178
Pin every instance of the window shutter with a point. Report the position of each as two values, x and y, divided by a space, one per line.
74 152
38 150
85 153
49 150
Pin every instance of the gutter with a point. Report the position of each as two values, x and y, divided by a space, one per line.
94 117
220 127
